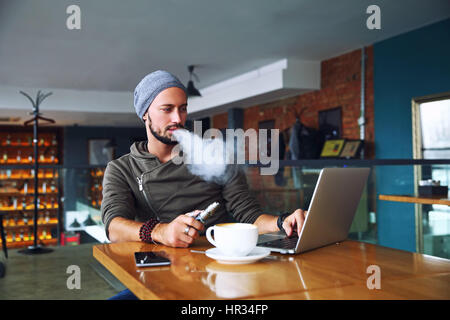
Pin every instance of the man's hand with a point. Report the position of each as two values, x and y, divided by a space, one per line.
294 222
173 234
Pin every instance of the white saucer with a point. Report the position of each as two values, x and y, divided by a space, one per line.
255 255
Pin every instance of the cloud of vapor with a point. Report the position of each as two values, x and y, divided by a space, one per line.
207 158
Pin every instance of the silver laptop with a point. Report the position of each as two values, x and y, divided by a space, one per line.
330 214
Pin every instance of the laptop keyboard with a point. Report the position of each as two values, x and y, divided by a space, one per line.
285 243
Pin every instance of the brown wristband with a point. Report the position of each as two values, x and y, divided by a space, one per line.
145 232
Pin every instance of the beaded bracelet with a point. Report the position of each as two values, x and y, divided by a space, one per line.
145 232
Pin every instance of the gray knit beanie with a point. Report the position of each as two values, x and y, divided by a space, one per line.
149 87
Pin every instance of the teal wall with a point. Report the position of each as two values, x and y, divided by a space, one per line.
411 65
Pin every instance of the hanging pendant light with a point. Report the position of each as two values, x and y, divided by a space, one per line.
191 89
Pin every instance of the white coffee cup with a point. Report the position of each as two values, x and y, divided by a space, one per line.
233 239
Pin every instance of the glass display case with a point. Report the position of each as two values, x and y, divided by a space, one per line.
17 188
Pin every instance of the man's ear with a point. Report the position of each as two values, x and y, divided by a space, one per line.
145 116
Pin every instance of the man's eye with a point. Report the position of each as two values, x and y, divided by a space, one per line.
183 109
166 109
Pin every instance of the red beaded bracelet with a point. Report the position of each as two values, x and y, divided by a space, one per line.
145 232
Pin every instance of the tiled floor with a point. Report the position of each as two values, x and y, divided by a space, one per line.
45 276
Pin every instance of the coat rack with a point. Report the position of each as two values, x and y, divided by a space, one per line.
36 248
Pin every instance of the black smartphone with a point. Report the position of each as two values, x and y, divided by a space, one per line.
148 259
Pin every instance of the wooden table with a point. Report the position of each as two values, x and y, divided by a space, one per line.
416 199
337 271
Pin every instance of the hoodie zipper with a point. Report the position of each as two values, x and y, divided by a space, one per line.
141 188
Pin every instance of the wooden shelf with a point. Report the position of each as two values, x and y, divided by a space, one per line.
416 199
27 146
30 193
27 210
22 244
45 225
15 163
27 178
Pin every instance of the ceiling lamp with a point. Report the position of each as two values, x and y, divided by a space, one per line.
191 90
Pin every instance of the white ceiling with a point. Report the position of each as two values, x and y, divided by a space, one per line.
122 41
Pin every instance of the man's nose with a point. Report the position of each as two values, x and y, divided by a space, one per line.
175 116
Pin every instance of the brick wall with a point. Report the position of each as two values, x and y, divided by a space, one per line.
340 86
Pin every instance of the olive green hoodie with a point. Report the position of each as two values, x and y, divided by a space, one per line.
137 186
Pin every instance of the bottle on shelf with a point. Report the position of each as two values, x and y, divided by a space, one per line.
30 235
5 157
52 187
24 203
41 157
94 201
20 222
49 235
40 218
12 222
54 141
10 237
53 158
19 156
54 204
45 234
53 219
8 140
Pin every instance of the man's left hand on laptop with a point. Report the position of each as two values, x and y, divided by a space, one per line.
293 223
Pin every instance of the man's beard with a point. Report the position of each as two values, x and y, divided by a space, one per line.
163 139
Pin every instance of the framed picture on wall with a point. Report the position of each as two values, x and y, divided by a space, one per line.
352 149
100 151
332 148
